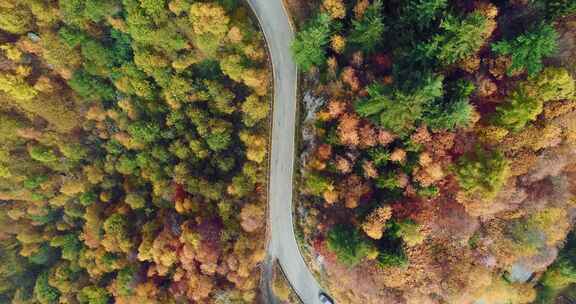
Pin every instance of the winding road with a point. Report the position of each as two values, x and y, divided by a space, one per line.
274 21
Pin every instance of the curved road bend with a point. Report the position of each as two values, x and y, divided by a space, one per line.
279 34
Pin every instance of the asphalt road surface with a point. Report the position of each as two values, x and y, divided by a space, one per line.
274 21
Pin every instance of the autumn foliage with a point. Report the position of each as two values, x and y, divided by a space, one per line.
133 147
441 164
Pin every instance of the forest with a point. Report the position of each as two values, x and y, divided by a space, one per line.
439 165
133 151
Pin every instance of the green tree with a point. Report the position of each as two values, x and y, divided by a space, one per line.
529 48
241 186
552 84
89 86
379 156
79 12
526 101
518 110
367 32
482 172
460 38
254 110
117 234
397 110
44 293
210 25
69 245
42 154
124 280
219 141
144 132
309 47
88 198
421 13
316 184
452 112
392 257
220 99
410 232
556 8
93 295
45 255
14 269
349 244
560 275
135 201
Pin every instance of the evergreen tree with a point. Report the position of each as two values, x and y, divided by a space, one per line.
529 48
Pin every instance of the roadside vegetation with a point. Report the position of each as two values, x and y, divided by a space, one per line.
281 287
441 168
133 151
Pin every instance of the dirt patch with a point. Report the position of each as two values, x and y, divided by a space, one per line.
300 10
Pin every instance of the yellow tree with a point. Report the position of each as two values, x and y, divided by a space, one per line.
374 223
210 26
335 8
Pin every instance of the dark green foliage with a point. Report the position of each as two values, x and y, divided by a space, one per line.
556 8
48 216
218 141
69 245
79 11
92 87
459 38
421 13
45 255
72 36
397 110
392 258
124 279
143 28
98 58
144 132
428 192
113 147
44 293
367 32
34 182
529 48
560 277
349 244
309 46
13 269
379 156
88 198
452 112
387 181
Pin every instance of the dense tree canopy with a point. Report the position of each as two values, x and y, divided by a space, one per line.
437 153
132 155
